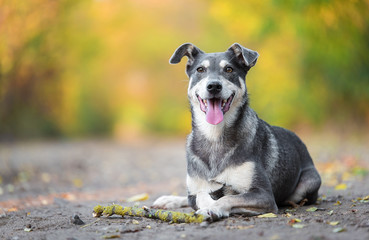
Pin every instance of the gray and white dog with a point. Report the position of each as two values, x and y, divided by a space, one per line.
236 162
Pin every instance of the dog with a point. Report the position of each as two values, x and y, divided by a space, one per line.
236 162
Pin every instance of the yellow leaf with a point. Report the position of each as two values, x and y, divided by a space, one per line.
341 186
298 225
139 197
337 230
267 215
312 209
333 223
13 209
294 221
77 182
337 203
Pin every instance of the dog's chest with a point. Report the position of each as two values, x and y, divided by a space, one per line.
239 178
220 165
234 178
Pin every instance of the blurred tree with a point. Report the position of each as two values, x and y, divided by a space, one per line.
77 68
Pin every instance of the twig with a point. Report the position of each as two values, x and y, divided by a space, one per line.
90 223
164 215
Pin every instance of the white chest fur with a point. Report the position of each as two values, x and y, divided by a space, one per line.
238 178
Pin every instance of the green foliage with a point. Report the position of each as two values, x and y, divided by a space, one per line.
101 67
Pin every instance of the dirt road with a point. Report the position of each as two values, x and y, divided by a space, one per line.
44 185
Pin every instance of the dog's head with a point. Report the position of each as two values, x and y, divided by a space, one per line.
217 80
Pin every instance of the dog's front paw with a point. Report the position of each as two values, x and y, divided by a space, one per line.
212 213
166 202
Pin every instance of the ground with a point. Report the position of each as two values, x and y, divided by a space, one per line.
44 184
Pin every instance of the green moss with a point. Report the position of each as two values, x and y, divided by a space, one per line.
166 216
98 210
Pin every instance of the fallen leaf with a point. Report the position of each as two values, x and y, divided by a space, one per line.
139 197
298 225
312 209
240 227
360 171
135 222
28 229
337 203
13 209
267 215
333 223
341 186
363 199
288 215
148 227
338 230
111 236
290 210
77 182
293 221
330 212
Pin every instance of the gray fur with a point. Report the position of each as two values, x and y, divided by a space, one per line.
273 162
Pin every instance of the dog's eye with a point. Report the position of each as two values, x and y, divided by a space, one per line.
200 69
229 69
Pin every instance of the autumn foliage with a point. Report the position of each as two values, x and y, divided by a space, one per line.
77 68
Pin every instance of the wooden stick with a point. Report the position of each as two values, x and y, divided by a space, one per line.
164 215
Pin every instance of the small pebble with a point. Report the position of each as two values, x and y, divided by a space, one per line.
77 221
179 228
26 229
204 224
130 228
2 213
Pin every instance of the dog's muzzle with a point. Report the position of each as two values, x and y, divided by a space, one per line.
215 108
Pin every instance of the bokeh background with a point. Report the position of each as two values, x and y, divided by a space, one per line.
85 68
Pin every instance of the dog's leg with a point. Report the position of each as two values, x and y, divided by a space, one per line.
307 187
170 201
254 202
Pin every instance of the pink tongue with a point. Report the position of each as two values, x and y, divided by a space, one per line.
214 113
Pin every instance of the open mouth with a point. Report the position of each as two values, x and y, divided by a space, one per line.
215 108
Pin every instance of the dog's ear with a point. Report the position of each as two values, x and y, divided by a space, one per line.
245 55
187 49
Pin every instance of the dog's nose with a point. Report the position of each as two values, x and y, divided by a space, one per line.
214 87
